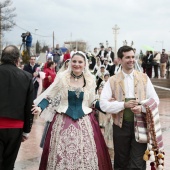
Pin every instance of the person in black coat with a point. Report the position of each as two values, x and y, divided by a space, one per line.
115 67
106 64
31 67
149 64
110 53
144 61
16 99
102 54
92 60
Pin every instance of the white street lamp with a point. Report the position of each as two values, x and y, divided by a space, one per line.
115 32
35 39
107 44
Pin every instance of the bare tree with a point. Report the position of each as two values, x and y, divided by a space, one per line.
6 18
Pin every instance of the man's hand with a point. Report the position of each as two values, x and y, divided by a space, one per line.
130 104
137 109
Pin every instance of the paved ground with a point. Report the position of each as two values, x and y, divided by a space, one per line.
30 152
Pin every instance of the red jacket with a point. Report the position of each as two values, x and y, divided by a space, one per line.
45 66
66 56
48 72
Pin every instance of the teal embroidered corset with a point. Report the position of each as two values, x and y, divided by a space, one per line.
73 103
75 110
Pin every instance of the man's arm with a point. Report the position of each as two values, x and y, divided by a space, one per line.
99 54
28 117
60 52
110 107
105 53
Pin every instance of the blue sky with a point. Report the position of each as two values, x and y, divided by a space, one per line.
143 22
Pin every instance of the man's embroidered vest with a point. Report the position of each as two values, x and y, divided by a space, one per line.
118 91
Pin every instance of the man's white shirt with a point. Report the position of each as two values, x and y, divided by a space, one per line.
114 107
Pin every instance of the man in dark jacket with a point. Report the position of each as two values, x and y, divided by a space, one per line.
106 64
57 53
31 67
16 99
110 53
115 67
149 64
102 54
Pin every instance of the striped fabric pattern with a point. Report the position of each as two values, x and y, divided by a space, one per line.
147 126
153 123
140 126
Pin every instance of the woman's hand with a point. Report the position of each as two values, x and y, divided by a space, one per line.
24 138
36 110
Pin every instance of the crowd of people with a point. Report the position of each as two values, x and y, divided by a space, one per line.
159 61
94 106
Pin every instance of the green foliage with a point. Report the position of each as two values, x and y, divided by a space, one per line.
38 47
44 48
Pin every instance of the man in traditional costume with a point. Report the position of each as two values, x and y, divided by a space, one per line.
129 88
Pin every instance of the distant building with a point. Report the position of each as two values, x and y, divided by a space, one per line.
80 45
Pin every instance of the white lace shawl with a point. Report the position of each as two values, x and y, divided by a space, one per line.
60 87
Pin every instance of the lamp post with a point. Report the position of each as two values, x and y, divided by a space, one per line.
35 39
115 32
107 44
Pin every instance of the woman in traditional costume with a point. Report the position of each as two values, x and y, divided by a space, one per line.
64 66
97 65
74 140
100 75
